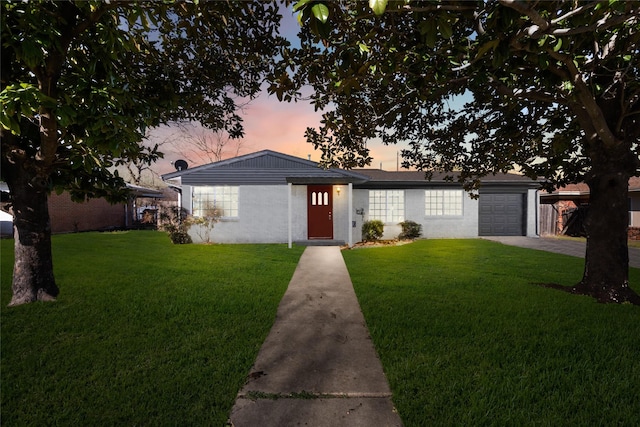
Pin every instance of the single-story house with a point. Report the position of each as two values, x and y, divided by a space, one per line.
560 208
97 214
6 219
270 197
6 224
67 216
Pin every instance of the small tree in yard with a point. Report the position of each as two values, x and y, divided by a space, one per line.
81 82
550 87
203 224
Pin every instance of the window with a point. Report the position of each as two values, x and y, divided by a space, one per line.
222 198
319 198
386 205
443 202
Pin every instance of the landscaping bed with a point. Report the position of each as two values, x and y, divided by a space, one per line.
379 243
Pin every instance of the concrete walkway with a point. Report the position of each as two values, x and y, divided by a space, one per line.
318 366
560 246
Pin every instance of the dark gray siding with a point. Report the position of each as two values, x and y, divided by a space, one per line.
264 168
269 162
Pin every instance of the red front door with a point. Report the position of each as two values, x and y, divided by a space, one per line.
320 211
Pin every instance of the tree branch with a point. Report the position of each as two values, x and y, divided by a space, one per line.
600 25
573 12
49 73
523 8
528 95
542 26
587 101
435 8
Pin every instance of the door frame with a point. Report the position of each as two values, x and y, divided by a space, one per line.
319 207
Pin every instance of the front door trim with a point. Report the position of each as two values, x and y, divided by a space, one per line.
320 212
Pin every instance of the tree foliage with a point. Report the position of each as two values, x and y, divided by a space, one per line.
82 81
549 88
95 75
546 83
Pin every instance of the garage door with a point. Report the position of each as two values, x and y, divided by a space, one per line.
501 214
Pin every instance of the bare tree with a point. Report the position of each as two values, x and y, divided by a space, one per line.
143 173
199 145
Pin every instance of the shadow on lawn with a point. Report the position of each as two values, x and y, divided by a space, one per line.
623 296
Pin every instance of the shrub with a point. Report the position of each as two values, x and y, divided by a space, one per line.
410 230
173 220
180 237
372 230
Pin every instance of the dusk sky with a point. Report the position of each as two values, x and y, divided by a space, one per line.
280 126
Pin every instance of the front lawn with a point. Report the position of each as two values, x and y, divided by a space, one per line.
465 338
143 333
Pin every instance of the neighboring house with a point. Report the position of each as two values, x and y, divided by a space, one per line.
6 224
6 219
560 211
634 204
94 214
270 197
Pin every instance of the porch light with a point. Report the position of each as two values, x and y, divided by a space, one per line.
338 190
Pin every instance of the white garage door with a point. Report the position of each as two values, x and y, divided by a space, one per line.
501 214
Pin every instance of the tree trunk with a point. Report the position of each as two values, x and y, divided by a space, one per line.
33 267
606 272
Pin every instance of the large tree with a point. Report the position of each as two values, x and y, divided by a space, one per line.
83 80
552 88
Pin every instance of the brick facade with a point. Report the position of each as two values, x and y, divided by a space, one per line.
95 214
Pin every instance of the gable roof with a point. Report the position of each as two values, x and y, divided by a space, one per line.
263 168
268 167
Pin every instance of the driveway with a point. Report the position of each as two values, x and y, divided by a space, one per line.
560 246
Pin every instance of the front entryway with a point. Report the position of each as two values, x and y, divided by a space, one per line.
320 211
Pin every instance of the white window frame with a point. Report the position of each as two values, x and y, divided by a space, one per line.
387 205
224 197
443 203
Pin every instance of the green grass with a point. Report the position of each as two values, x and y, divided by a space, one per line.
148 333
143 333
465 338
